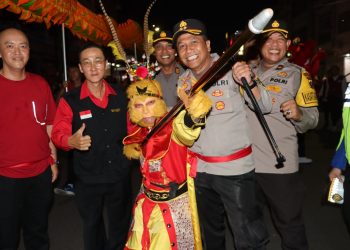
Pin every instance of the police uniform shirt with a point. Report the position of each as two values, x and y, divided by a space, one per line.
226 130
169 85
283 81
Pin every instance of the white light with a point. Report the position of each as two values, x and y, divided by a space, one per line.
117 65
347 55
156 29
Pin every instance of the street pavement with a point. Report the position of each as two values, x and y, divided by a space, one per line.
324 223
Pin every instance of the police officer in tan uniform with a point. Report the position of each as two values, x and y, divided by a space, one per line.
225 178
170 69
294 110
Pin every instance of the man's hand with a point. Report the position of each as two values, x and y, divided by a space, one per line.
242 69
291 110
335 173
80 141
54 170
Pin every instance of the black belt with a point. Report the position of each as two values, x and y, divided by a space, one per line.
165 196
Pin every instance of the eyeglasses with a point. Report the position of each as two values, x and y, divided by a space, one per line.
99 63
34 113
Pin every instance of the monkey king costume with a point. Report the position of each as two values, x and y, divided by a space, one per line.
165 211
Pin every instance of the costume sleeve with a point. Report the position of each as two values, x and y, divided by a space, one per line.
183 134
339 158
62 126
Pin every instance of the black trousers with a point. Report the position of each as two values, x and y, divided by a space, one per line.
25 204
234 197
284 194
92 200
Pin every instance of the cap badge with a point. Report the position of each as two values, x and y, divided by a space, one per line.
162 34
183 25
275 24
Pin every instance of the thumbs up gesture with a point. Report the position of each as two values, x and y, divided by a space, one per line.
80 141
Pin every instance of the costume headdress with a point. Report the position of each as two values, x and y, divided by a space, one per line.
136 70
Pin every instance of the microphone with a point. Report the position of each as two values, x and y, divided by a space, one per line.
257 24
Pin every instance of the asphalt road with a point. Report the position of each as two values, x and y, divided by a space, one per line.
324 223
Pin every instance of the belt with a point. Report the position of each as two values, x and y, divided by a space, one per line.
234 156
164 196
214 159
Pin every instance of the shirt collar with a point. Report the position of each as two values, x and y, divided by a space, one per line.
86 93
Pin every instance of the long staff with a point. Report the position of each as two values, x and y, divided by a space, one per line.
279 157
255 26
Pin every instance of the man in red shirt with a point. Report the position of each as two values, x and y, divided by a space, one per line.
27 113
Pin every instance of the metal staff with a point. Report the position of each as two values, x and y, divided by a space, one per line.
279 157
255 26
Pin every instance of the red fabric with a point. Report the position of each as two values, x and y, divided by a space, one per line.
212 159
85 92
24 143
161 146
62 127
147 207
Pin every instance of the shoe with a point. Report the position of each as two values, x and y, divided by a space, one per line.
67 190
304 160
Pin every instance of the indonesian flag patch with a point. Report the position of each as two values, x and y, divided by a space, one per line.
85 114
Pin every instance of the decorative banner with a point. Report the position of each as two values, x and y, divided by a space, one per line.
82 22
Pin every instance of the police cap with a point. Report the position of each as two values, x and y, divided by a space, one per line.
164 35
192 26
276 26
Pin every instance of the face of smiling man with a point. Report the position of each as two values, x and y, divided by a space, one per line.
274 49
194 52
164 53
14 50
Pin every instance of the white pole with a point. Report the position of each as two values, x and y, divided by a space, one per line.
64 56
135 52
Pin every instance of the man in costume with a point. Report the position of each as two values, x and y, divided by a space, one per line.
164 215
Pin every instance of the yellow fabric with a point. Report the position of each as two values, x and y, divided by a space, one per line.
132 151
158 233
182 134
306 96
194 213
199 105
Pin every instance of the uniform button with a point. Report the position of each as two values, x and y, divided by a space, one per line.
105 130
109 162
164 211
173 244
169 226
107 146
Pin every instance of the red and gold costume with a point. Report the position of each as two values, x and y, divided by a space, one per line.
165 211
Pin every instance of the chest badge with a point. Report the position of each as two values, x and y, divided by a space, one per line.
217 93
86 114
220 105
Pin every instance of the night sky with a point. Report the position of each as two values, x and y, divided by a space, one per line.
217 15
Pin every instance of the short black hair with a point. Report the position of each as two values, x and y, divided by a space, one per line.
89 45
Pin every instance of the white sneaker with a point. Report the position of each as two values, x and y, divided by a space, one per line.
304 160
